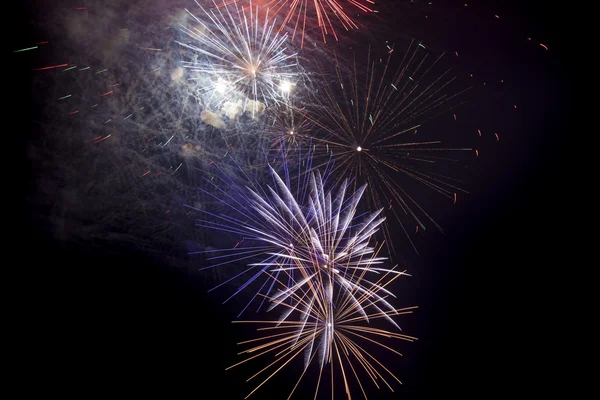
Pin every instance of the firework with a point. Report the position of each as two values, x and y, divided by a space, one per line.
241 55
334 329
286 128
308 251
367 121
300 15
300 227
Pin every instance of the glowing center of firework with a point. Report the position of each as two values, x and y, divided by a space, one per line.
291 132
285 86
329 324
359 148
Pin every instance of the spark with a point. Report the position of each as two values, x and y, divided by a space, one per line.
26 49
51 67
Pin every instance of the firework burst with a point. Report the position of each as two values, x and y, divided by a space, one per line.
300 15
367 122
308 251
241 56
300 228
330 328
286 128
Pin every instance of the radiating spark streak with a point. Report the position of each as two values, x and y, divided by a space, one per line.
51 67
100 138
26 49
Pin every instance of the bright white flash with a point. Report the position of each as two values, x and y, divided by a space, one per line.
285 86
359 148
221 87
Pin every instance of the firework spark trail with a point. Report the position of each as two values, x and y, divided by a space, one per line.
242 55
330 332
366 120
300 15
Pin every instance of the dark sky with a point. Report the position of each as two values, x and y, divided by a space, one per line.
119 321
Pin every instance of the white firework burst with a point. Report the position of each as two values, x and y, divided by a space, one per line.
299 231
239 58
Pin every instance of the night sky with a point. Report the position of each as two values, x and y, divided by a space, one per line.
111 318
